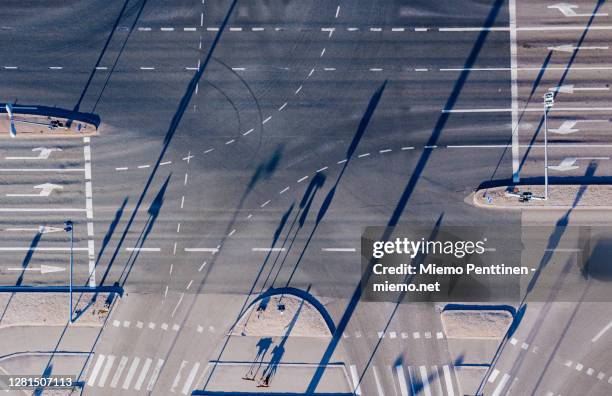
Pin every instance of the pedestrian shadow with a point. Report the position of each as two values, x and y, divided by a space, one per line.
263 345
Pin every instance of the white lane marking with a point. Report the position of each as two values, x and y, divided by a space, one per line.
284 190
208 151
167 29
439 335
602 332
407 148
212 29
265 203
230 141
448 380
579 366
529 110
420 29
11 67
266 120
341 162
155 374
208 250
190 378
276 249
322 53
501 385
385 151
425 380
322 169
55 67
399 369
590 371
189 29
143 166
139 324
258 29
110 360
338 249
152 325
422 69
379 387
398 29
122 168
302 179
126 324
376 69
235 29
166 163
282 107
189 284
144 29
131 372
392 334
146 68
298 90
493 375
416 335
41 249
177 304
311 72
363 155
247 132
177 378
118 372
355 378
143 374
514 93
94 372
143 249
175 327
337 12
437 380
116 323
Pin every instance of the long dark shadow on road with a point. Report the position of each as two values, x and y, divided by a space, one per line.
99 60
565 73
408 190
551 246
176 119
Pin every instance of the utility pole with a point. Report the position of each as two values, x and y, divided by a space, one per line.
69 227
549 101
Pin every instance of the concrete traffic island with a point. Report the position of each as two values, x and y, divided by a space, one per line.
276 347
596 196
43 122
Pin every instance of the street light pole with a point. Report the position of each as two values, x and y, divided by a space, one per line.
69 227
549 100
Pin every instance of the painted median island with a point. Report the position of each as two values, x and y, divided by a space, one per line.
41 121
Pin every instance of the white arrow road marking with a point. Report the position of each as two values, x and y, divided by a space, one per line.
571 48
43 153
567 127
40 230
568 163
45 190
43 269
570 88
568 10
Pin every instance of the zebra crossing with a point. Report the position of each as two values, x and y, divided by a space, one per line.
138 374
436 380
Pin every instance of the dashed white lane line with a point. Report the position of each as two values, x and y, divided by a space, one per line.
284 190
266 120
11 67
143 166
493 376
425 381
247 132
339 249
274 249
167 29
147 68
56 67
143 249
265 203
207 250
420 29
302 179
122 168
337 12
282 107
363 155
379 387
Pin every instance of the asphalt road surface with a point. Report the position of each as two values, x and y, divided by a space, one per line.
247 145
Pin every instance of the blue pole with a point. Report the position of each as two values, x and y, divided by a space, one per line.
71 265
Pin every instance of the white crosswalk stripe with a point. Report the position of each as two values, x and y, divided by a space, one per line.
355 377
448 380
177 378
131 372
501 385
94 371
425 381
143 374
110 360
190 378
399 369
155 374
119 371
379 387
